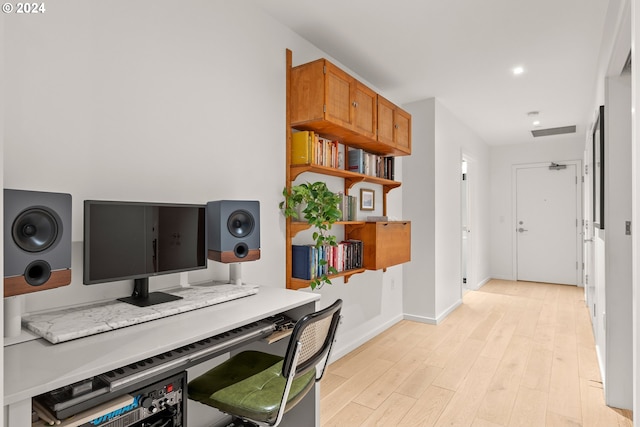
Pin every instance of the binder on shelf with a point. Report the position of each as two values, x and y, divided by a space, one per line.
302 147
301 256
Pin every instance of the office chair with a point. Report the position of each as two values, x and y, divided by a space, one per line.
260 387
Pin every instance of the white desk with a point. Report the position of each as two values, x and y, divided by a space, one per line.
35 367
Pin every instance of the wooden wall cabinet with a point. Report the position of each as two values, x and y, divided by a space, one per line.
394 125
324 99
329 101
385 243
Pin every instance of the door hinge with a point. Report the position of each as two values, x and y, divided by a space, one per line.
324 69
576 265
594 310
627 228
324 108
582 178
586 169
586 279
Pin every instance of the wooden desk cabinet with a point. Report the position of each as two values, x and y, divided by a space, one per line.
385 243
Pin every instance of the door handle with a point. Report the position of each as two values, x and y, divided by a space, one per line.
588 240
521 230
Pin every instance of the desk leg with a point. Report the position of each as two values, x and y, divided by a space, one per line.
18 414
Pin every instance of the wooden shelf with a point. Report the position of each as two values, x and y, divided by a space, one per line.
301 283
350 117
298 226
352 177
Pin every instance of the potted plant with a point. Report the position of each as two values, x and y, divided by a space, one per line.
319 208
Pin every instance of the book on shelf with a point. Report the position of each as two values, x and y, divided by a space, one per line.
307 148
388 168
370 164
306 259
301 147
301 256
356 160
348 206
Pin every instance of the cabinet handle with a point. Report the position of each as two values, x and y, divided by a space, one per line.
355 104
396 126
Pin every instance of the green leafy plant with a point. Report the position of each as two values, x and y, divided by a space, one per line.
320 211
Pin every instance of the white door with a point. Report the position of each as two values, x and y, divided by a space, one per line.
547 223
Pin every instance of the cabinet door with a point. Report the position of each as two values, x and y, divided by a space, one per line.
307 92
338 89
402 130
393 243
364 110
385 243
385 121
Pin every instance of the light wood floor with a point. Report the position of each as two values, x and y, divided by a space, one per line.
514 354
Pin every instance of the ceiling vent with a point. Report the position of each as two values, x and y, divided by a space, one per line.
553 131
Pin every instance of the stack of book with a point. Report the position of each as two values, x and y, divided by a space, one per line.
370 164
308 148
306 263
348 206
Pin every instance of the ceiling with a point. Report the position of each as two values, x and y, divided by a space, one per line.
462 52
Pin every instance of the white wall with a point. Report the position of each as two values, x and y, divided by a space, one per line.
635 201
432 175
453 138
502 223
419 292
2 132
618 257
151 101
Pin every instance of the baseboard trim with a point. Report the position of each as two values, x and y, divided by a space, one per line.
484 282
431 320
448 311
421 319
508 278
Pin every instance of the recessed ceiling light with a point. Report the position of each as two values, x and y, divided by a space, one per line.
536 123
517 71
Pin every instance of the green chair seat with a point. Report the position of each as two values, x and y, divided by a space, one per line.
249 385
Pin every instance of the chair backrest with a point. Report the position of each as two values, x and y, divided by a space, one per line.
314 333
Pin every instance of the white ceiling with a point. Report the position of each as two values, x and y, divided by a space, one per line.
462 52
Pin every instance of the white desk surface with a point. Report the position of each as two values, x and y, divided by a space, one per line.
35 367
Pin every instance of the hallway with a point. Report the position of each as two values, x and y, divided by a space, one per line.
514 354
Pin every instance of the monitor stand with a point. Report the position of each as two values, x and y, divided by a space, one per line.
142 298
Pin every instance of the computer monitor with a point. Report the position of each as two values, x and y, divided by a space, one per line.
137 240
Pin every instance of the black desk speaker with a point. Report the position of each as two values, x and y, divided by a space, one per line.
37 241
233 230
